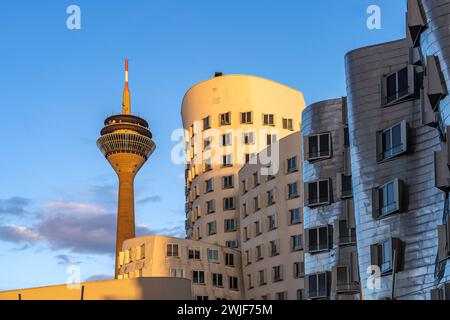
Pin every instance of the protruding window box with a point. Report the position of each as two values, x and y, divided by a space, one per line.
319 239
388 199
392 142
385 253
318 285
398 86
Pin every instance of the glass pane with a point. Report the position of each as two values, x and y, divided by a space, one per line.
313 147
313 240
387 256
403 86
322 285
396 139
323 191
387 152
323 238
313 286
391 88
341 275
324 145
312 193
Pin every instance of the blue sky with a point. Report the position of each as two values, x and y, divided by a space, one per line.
57 192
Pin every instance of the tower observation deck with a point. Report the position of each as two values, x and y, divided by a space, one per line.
126 142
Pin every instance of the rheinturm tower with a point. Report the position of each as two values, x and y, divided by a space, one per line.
126 142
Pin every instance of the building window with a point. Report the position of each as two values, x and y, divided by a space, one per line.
347 235
227 160
274 248
268 119
277 273
176 273
231 244
257 228
382 255
441 293
207 143
297 242
318 285
299 269
227 182
345 186
250 281
226 139
255 179
210 207
230 225
300 294
194 254
295 216
387 199
281 295
225 119
217 280
259 253
249 157
256 203
206 123
270 197
249 138
318 239
198 277
318 193
213 256
228 203
202 298
212 228
246 117
262 277
233 283
287 124
271 138
172 250
392 141
208 165
292 189
318 146
244 210
248 258
399 85
292 165
246 235
444 240
272 225
229 259
209 185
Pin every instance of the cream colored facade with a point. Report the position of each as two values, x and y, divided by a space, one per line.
214 271
155 288
271 226
236 105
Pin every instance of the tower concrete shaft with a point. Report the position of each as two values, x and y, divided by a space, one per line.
126 142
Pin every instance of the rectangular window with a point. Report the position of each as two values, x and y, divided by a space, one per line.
208 165
226 139
295 216
300 294
248 258
255 179
250 281
274 248
217 280
271 138
228 203
318 285
257 228
244 186
172 250
231 244
244 210
293 190
246 117
347 235
249 157
299 269
270 197
225 119
318 193
233 283
277 273
256 203
392 141
207 143
292 165
272 225
212 228
382 255
297 242
227 182
318 146
227 160
194 254
387 199
268 119
210 207
346 186
399 85
246 235
259 253
206 123
198 277
249 138
287 124
176 273
281 295
213 256
230 225
229 259
262 277
209 185
318 239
